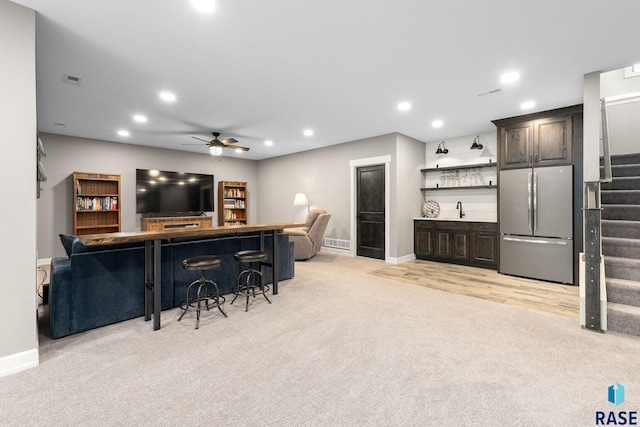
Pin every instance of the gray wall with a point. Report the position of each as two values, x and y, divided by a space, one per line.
66 155
18 336
324 176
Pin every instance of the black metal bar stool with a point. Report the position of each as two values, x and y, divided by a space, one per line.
207 289
254 282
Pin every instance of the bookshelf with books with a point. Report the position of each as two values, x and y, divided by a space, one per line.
232 203
96 203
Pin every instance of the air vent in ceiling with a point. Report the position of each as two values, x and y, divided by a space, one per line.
489 92
72 80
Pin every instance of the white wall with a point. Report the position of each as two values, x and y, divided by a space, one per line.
480 204
66 155
623 114
18 330
323 175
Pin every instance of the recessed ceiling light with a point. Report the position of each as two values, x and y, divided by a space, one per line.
527 105
404 106
140 118
308 132
510 77
204 6
268 143
124 132
437 123
167 96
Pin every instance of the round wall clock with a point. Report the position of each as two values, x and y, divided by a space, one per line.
431 209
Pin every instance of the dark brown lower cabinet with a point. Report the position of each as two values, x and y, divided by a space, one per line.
460 242
484 244
423 239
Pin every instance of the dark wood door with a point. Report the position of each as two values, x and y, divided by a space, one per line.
553 141
460 245
516 142
370 211
423 238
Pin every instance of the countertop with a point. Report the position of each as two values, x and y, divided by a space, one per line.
455 219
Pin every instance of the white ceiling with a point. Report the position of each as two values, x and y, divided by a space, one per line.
257 70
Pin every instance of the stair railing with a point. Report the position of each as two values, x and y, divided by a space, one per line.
593 309
606 151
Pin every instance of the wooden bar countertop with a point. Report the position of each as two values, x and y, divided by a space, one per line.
137 236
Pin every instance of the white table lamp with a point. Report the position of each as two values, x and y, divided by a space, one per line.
301 200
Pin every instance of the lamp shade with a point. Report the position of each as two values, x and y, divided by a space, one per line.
300 200
215 150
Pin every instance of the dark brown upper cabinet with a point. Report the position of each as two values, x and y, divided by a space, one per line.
541 142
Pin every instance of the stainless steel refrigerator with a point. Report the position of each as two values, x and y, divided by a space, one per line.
536 223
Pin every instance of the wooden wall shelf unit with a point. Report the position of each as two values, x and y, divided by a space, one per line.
232 203
96 203
172 222
458 168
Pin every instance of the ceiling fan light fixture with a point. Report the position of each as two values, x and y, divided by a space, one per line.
215 150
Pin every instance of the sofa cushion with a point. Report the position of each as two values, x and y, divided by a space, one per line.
67 242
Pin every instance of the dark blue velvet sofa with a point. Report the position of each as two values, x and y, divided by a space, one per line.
99 285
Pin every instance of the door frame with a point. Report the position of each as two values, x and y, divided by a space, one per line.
353 166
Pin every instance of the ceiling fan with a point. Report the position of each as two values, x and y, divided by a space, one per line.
216 145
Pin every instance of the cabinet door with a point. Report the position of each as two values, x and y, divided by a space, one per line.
460 245
484 247
553 139
516 145
443 243
423 240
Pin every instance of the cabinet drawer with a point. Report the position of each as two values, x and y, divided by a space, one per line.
423 224
484 226
452 225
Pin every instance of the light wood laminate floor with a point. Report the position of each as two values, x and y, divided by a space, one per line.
489 285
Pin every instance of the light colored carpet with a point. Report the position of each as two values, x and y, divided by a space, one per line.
338 347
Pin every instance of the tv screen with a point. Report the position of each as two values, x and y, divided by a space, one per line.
170 193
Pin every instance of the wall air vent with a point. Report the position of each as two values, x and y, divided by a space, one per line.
72 80
337 243
489 92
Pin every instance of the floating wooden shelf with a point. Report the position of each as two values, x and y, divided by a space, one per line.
467 187
450 168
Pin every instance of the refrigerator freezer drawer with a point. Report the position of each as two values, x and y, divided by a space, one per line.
537 258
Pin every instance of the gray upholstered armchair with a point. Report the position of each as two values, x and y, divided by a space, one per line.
307 240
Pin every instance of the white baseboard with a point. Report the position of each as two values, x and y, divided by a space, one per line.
401 259
15 363
389 260
335 251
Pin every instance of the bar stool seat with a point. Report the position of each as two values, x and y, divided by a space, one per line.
253 281
207 293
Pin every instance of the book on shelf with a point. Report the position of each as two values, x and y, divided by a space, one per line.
107 203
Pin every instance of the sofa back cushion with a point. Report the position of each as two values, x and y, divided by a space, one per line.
67 242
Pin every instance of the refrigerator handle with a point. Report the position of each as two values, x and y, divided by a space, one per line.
529 201
535 201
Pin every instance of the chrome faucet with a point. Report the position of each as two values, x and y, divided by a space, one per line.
459 206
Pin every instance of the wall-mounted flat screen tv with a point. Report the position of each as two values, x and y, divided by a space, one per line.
173 193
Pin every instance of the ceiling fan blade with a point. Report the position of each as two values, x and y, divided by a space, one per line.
197 144
229 141
200 139
236 147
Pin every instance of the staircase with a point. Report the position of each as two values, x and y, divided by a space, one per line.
621 244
